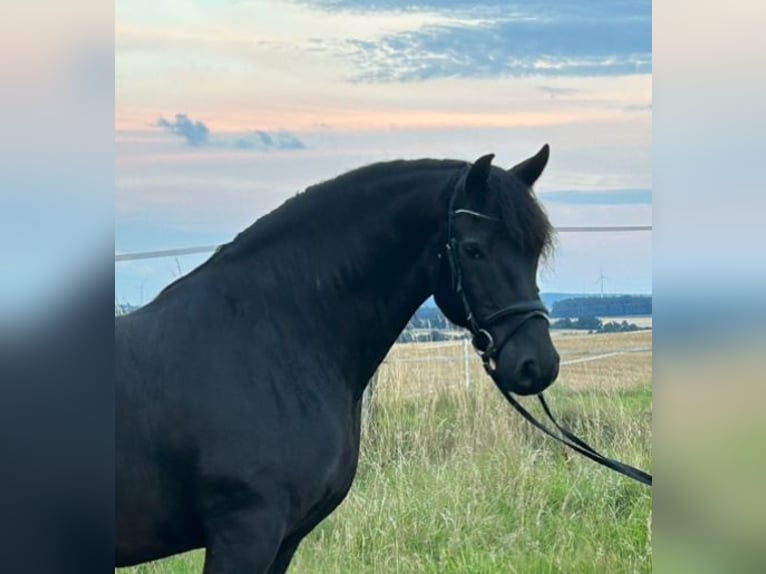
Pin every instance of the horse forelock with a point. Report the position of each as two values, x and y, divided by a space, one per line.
524 217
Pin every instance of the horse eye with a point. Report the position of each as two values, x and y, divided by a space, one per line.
473 251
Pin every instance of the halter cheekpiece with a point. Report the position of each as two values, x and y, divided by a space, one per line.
482 339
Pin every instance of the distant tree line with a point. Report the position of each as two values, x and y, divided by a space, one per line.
427 324
617 305
428 317
595 325
411 336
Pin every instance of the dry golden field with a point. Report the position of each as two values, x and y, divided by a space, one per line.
420 368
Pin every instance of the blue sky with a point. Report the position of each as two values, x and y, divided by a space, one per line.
543 39
226 108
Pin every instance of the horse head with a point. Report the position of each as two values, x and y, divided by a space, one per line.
496 233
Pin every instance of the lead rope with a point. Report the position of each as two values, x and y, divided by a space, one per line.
569 438
577 444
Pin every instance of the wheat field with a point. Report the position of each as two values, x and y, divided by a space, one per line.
452 480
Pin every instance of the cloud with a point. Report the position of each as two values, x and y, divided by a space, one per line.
607 197
550 38
603 8
268 140
398 5
197 134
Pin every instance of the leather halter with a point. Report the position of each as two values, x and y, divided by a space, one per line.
482 340
487 348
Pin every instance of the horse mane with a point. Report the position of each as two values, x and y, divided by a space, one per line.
524 217
310 212
333 202
332 199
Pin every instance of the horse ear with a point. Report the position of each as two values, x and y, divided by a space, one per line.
479 173
530 169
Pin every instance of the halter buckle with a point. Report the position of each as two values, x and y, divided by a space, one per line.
483 343
485 349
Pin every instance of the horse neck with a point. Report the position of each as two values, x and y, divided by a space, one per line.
373 273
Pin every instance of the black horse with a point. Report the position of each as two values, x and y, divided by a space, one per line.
239 387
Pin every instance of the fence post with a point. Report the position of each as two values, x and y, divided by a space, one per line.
466 370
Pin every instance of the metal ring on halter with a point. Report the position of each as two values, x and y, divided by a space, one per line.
483 350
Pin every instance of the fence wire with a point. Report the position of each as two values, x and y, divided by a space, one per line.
209 248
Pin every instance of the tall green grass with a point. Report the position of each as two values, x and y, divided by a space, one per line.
456 482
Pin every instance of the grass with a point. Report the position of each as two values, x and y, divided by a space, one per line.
451 480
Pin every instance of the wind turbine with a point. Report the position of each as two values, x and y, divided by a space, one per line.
600 279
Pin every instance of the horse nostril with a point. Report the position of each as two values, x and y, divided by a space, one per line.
530 370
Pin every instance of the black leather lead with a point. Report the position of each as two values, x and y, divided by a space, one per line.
576 443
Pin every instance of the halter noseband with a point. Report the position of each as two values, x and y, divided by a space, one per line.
487 349
482 339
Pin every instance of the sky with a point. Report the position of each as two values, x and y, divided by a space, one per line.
225 108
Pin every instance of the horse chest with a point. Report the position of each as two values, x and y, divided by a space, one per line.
323 490
329 470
